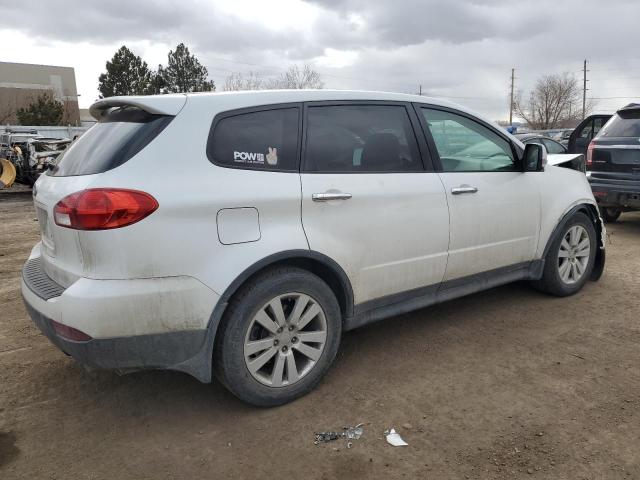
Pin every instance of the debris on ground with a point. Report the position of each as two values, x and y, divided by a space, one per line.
394 438
348 433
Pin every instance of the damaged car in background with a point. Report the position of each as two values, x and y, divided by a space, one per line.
30 153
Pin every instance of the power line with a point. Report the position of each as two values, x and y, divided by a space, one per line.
611 98
584 90
513 78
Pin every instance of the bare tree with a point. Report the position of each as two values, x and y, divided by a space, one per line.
238 81
553 103
298 78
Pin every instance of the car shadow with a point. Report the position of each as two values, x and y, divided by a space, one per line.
138 393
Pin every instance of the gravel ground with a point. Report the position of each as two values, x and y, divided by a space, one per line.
509 383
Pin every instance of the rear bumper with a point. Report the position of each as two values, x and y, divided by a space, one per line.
159 323
154 351
615 190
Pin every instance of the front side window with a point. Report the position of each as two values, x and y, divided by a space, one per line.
261 140
467 146
361 138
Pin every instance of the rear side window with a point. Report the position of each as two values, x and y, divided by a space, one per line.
361 138
115 139
623 124
261 140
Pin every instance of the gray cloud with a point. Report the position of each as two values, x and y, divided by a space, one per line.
411 22
453 48
105 22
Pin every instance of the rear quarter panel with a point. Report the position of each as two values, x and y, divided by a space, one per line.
181 237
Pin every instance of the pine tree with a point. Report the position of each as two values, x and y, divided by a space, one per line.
157 85
44 111
184 73
127 74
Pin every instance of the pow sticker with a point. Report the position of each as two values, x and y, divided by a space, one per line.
255 158
248 157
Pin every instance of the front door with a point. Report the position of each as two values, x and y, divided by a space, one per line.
585 132
494 206
367 200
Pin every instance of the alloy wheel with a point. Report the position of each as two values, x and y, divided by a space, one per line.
285 339
573 257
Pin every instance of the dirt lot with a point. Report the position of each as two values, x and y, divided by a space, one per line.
505 384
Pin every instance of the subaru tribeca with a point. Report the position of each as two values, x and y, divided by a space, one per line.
239 234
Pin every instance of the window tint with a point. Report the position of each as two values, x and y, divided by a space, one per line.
116 138
587 130
465 145
551 146
265 140
598 123
623 124
361 138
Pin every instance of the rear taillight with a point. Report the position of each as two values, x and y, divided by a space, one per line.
103 208
590 155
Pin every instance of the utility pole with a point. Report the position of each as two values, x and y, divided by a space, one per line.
584 90
420 93
513 78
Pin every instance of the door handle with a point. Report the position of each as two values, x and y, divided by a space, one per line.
463 189
325 197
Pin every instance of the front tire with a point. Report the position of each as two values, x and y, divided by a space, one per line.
570 258
279 336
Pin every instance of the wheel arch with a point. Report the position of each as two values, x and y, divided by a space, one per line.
317 263
591 211
200 366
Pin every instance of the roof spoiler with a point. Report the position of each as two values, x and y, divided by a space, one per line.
154 104
631 106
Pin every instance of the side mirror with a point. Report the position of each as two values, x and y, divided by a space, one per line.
535 157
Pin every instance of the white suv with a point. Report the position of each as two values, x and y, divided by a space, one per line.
241 233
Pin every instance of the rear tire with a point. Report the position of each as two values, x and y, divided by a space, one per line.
610 214
279 336
570 258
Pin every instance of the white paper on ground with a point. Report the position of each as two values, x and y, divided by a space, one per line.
393 438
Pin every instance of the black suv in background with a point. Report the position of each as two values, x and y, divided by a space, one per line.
613 163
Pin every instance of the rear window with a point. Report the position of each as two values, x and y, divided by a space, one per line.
623 124
258 140
116 138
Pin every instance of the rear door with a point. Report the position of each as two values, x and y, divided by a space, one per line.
494 206
368 201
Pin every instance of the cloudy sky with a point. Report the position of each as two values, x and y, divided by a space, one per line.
461 50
